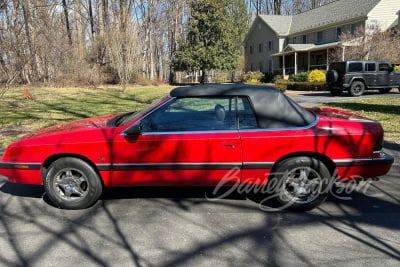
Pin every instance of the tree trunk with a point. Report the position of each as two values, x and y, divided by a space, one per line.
91 18
277 7
64 3
203 76
79 27
27 21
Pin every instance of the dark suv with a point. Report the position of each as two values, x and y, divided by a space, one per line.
358 76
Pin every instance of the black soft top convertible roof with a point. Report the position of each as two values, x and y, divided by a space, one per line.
273 108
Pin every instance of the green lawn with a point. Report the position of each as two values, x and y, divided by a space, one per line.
50 106
385 110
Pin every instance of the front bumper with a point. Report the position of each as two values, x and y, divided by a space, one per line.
16 172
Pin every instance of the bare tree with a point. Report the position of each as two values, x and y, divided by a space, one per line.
64 3
370 43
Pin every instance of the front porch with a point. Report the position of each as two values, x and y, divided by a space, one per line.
297 58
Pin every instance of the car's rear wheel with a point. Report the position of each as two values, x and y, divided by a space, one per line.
357 88
385 90
336 92
72 183
304 183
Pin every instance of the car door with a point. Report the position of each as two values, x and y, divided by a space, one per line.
186 141
383 78
370 74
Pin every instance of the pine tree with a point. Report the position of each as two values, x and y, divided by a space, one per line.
214 36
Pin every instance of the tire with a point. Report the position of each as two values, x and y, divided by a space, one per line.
72 183
303 183
385 90
357 88
336 92
332 76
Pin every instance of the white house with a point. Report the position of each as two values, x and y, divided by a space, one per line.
290 44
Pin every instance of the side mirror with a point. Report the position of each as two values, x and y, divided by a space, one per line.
391 69
133 130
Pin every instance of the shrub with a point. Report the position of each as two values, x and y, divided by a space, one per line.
397 67
299 77
253 76
316 76
277 77
284 85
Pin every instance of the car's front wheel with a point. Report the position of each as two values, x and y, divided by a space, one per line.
72 183
303 183
357 88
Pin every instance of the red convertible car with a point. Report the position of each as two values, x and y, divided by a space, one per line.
203 136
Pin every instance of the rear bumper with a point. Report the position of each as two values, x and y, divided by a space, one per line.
354 169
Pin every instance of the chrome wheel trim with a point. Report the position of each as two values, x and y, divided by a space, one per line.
301 185
71 184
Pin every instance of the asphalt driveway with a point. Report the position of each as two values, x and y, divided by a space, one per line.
179 226
312 98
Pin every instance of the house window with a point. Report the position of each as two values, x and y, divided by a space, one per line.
270 46
304 39
352 28
373 24
251 67
260 48
251 50
338 32
319 37
260 66
294 40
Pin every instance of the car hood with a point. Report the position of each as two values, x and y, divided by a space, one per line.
86 124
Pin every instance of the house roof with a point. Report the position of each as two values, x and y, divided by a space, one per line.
291 48
329 14
280 24
333 13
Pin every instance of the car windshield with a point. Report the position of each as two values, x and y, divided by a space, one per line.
126 118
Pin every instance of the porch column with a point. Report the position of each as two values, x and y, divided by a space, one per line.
308 60
327 59
295 63
344 50
283 66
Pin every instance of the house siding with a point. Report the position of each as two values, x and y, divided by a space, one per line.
261 35
318 31
385 13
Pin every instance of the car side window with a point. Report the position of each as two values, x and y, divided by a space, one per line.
355 67
383 67
246 116
193 114
370 67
